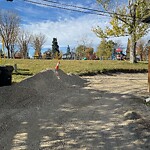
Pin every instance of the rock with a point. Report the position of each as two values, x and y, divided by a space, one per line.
147 100
131 115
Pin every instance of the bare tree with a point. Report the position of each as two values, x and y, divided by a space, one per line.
23 40
9 27
86 41
37 43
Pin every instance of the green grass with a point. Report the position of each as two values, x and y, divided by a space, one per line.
29 67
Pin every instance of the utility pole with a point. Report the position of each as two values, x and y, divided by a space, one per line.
147 20
148 45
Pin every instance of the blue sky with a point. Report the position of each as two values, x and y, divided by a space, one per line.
69 27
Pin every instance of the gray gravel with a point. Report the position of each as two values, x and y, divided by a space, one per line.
44 113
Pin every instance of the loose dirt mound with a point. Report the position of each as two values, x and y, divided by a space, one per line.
48 111
71 79
50 80
37 86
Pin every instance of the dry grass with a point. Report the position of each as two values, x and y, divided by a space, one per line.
28 67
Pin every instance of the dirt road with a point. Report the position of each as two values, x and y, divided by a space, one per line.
123 83
44 113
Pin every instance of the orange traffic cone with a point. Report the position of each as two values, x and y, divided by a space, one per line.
57 66
56 70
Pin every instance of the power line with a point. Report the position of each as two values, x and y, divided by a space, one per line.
77 8
94 11
66 8
85 8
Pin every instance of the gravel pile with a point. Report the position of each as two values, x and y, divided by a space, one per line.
48 111
71 79
32 89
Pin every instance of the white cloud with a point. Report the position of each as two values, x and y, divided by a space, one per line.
69 31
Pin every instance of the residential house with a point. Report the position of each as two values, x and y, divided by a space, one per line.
69 56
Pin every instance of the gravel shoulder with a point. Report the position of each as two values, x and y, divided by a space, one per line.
123 83
70 112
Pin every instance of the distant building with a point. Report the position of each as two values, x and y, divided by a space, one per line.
47 55
69 56
18 55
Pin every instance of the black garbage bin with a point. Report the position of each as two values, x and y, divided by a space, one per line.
6 75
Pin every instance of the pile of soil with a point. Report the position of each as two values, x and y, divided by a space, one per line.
35 87
63 111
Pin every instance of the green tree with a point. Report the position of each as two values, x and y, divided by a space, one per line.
126 20
89 52
47 54
55 48
68 50
80 51
105 49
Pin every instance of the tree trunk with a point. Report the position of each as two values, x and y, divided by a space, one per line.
8 51
133 50
25 50
12 51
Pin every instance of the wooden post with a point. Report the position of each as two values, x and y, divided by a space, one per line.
149 68
15 68
147 20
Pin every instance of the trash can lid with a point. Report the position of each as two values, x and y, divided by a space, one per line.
8 68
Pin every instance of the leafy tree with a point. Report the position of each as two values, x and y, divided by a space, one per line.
55 48
47 54
80 51
105 49
83 51
89 52
37 43
126 20
58 55
9 27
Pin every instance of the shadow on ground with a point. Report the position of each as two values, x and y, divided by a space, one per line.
48 111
